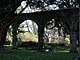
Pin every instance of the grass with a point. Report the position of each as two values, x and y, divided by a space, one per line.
23 54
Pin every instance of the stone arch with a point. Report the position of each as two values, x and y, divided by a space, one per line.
49 30
3 33
41 20
38 20
29 38
22 20
8 36
61 21
29 22
15 28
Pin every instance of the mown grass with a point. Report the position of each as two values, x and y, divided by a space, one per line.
23 54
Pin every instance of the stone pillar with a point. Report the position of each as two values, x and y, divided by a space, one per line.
1 40
1 45
3 33
79 29
0 36
73 42
40 37
15 40
79 35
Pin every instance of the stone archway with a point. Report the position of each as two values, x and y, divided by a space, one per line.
40 19
16 30
9 36
28 34
58 31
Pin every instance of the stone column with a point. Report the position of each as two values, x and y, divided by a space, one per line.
73 38
73 42
1 40
3 33
1 28
79 29
0 35
40 37
15 40
79 35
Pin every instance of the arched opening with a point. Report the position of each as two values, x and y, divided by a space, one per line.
56 35
28 35
9 37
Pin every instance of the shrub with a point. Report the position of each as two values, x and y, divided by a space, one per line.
29 44
67 41
7 43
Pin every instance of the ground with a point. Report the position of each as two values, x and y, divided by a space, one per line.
23 54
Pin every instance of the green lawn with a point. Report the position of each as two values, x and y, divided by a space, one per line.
23 54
